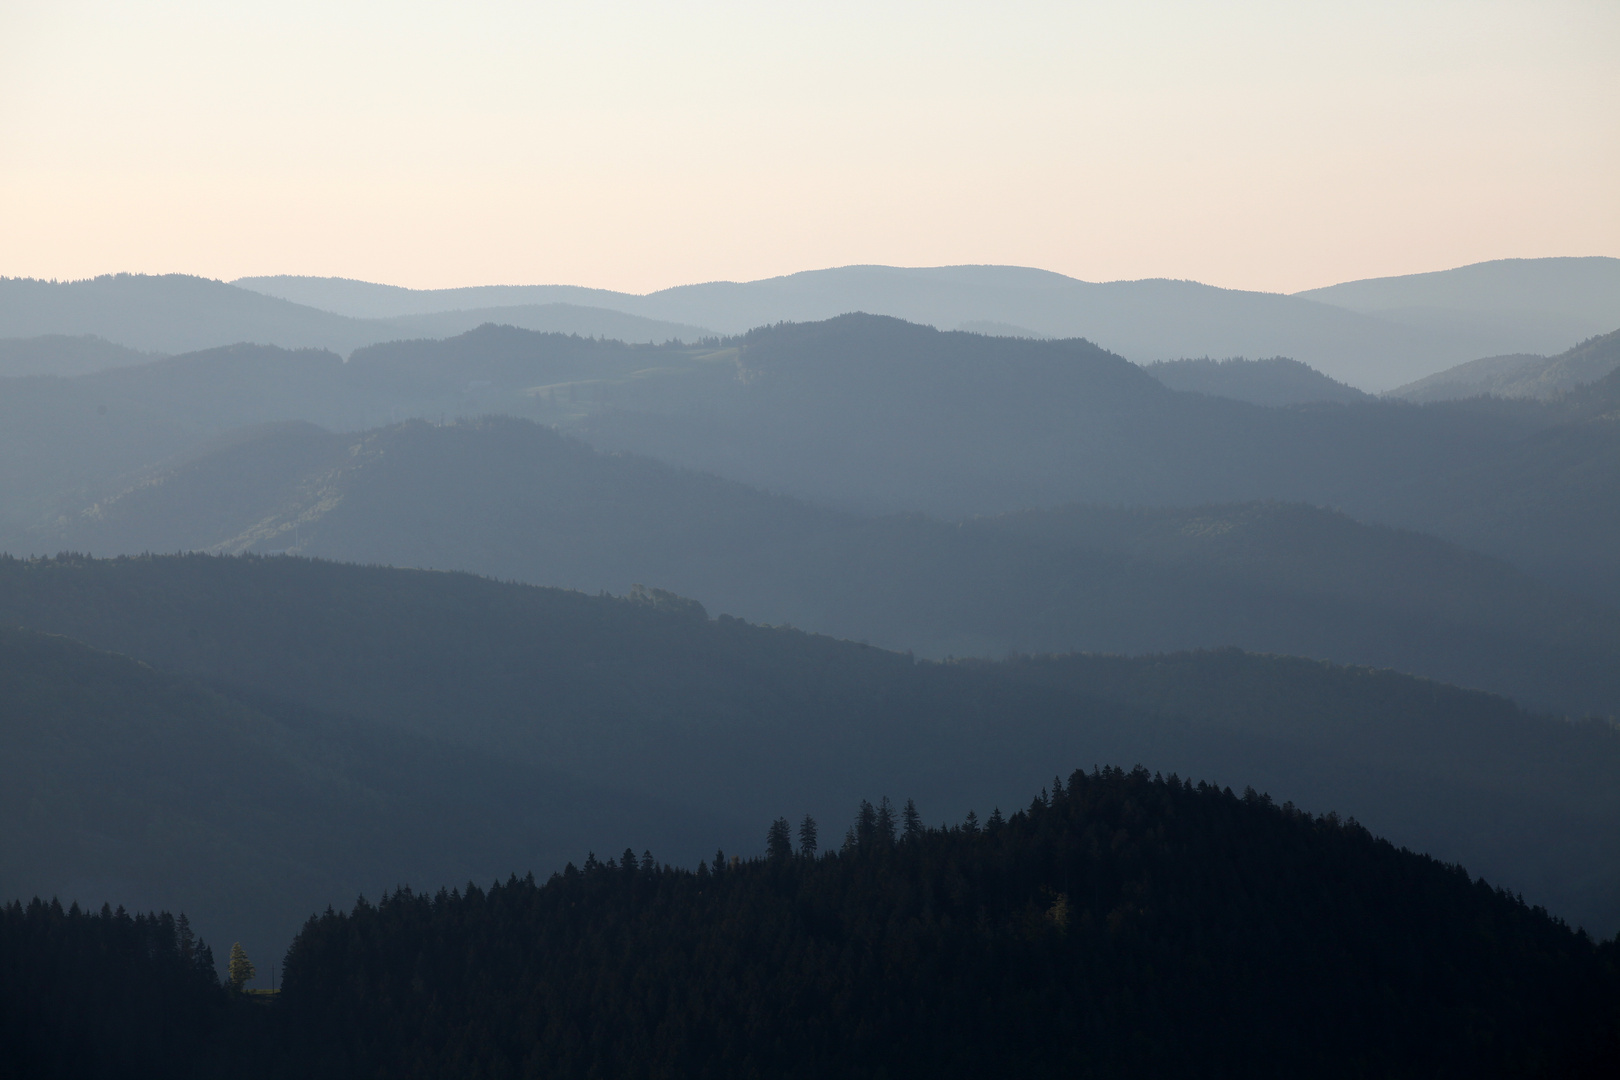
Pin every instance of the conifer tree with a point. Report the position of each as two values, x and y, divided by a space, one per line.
912 819
779 841
885 822
866 824
807 837
241 968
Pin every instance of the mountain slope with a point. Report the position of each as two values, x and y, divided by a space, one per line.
1122 925
58 354
1277 381
511 500
879 416
124 784
1520 376
614 711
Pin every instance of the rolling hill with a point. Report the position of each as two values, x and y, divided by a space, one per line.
1520 376
1275 381
1361 333
587 721
877 416
58 354
508 499
178 313
126 784
1121 924
1554 300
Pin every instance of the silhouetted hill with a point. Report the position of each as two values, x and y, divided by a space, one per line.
1121 925
1143 320
512 500
1520 376
562 720
57 354
1277 381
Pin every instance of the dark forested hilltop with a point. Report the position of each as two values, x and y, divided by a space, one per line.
1122 924
580 713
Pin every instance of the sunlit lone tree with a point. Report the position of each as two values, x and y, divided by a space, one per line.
241 968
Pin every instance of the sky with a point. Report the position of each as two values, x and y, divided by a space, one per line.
638 145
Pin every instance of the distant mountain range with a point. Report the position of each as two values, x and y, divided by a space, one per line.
873 416
176 313
514 501
1370 335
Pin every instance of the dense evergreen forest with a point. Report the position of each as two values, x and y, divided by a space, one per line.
86 994
1122 924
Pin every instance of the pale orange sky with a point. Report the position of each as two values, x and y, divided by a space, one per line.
634 146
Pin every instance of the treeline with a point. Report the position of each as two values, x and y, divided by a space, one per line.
103 993
1120 925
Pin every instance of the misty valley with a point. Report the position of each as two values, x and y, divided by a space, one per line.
865 673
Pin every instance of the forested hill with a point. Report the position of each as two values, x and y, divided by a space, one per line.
874 415
509 499
1122 924
1521 376
1276 380
883 415
446 695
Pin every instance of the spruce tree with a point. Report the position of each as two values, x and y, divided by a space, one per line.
885 822
807 837
912 820
779 840
241 969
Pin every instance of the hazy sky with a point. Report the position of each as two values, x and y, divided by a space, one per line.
637 145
